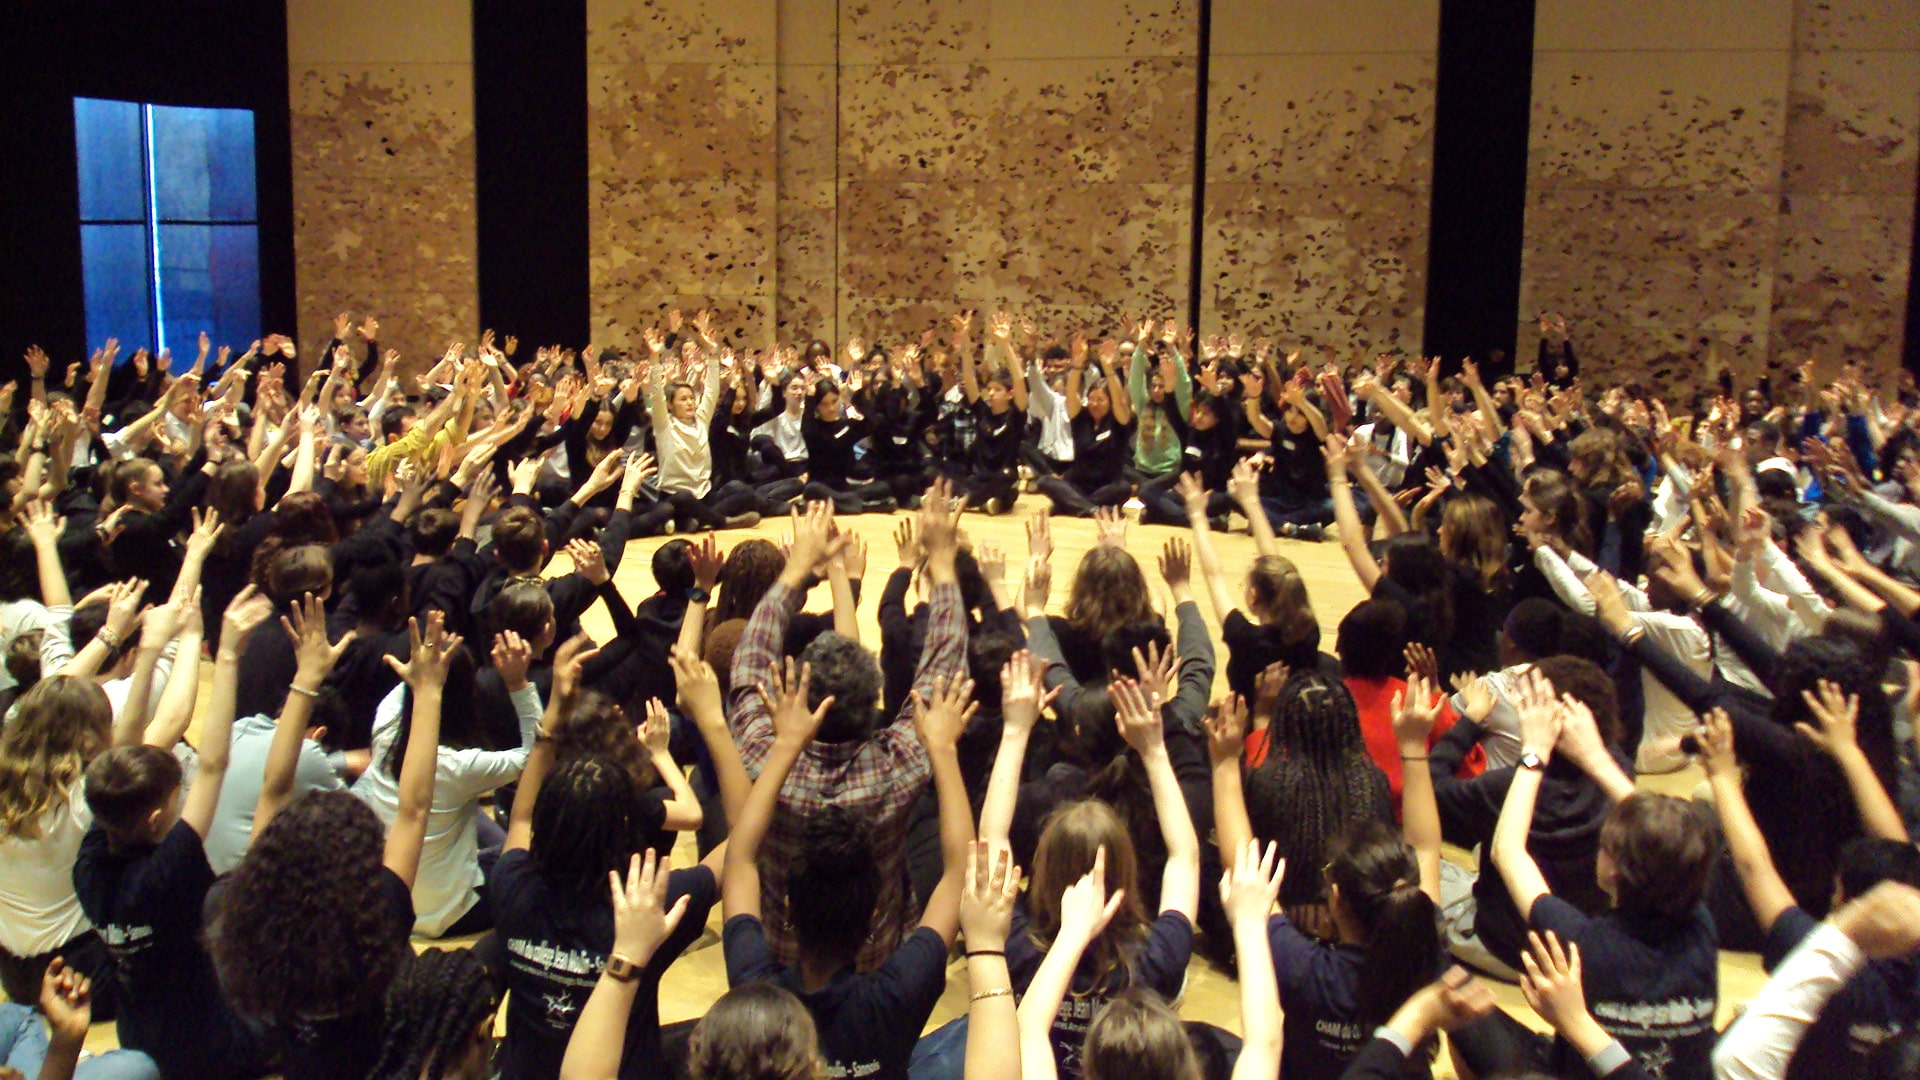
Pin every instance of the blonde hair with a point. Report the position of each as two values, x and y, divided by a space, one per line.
62 723
1280 596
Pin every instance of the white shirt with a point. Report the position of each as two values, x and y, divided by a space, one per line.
19 617
682 450
39 911
1049 409
1667 717
1390 465
784 430
449 878
1761 1042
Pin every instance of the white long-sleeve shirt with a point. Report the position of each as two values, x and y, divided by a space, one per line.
1667 717
1760 1044
449 878
682 449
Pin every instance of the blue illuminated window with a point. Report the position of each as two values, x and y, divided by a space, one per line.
169 224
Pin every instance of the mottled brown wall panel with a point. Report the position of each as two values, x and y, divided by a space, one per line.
383 174
1012 154
1319 172
1654 179
1846 223
681 163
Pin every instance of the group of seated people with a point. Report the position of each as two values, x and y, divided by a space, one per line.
343 585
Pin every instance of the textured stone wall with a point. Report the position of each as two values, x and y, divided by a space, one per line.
1319 171
1654 179
1723 183
680 163
383 175
1846 212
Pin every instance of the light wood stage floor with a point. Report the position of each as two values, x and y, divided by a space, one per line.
699 977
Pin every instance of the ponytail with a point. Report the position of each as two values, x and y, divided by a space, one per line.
1379 881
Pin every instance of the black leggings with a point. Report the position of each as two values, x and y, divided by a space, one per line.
84 952
849 496
712 510
773 462
1077 494
1164 506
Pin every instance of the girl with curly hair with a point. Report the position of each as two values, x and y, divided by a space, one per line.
311 929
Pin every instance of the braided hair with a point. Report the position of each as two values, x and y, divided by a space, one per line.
833 885
436 1003
1316 778
586 823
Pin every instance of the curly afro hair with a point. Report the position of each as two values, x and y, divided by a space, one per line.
293 935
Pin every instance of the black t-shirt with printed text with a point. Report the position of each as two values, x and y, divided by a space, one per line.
1158 963
556 942
868 1021
146 904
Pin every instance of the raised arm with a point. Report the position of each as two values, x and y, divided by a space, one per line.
572 655
1117 390
1226 740
793 728
1767 892
1244 488
939 718
1194 497
986 916
44 530
1248 893
1085 910
1539 730
683 809
314 658
1140 725
243 616
699 690
1023 694
425 673
1415 711
1353 534
641 922
1838 714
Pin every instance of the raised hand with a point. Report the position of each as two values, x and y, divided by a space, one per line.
206 533
66 1000
1249 890
589 561
641 919
568 663
657 729
1176 564
1023 691
511 658
1539 713
1476 696
986 904
1085 907
1040 535
1110 527
786 701
1421 661
940 718
1038 587
1138 721
1267 686
1415 711
306 625
1227 728
1156 671
1551 982
1715 736
430 655
1244 485
1193 495
1838 713
245 613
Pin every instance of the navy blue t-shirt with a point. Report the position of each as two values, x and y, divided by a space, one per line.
1320 986
1159 963
1873 1007
146 904
868 1021
1651 983
556 943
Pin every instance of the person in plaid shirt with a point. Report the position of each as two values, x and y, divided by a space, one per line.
875 771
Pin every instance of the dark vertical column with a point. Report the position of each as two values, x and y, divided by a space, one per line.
1481 117
1202 74
530 168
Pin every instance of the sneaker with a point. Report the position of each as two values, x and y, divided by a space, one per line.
912 502
743 521
881 506
1310 533
996 506
1218 523
667 529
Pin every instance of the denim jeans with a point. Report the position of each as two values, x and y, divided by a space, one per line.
23 1046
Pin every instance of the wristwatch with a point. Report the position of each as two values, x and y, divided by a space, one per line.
698 595
621 969
1532 760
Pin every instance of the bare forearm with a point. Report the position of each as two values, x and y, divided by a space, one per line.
1003 786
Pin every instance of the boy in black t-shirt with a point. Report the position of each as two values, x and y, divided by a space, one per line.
1651 966
142 877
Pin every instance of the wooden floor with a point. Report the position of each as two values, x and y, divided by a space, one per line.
699 977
